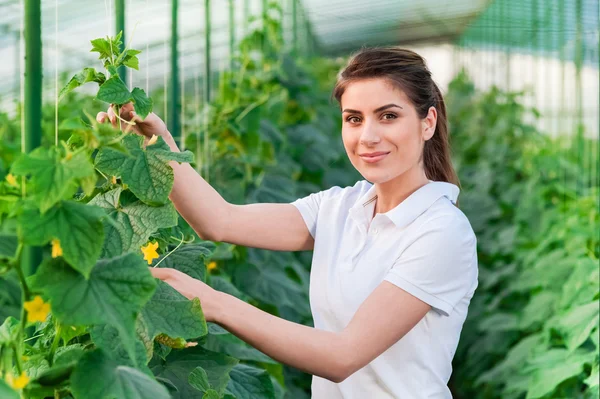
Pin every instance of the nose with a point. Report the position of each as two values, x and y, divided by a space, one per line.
369 135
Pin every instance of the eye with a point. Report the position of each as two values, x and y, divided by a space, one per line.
353 119
391 116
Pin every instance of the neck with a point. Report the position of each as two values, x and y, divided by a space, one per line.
392 192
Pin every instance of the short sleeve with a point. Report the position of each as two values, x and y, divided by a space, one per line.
309 208
440 266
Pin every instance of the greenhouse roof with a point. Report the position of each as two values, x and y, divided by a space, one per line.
338 26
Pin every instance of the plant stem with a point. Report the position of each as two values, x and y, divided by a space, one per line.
54 344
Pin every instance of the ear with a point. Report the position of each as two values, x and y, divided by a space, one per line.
429 124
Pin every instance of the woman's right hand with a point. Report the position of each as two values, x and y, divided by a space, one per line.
148 127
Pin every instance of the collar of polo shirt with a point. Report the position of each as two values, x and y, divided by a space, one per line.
413 206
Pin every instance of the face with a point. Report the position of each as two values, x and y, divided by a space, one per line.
381 130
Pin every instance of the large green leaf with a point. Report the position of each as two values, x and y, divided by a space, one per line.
180 364
99 377
8 245
85 76
553 367
52 177
578 323
169 312
190 259
145 171
115 291
132 223
106 337
114 91
77 226
250 383
231 345
270 284
7 392
141 102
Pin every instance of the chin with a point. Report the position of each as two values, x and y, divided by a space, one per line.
376 177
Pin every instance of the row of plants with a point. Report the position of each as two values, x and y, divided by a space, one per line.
532 329
90 321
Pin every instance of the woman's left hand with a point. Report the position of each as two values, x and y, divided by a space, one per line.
188 287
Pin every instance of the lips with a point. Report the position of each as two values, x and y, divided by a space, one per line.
374 157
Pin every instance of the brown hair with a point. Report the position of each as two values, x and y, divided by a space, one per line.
407 71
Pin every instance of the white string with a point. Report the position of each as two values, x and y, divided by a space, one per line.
182 113
22 73
22 88
56 73
197 114
147 60
165 82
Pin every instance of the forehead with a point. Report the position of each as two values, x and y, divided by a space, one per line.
371 93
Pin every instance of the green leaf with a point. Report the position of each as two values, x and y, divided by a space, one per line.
190 259
231 345
98 377
132 224
199 380
169 312
77 226
141 102
8 245
554 367
250 383
270 284
131 60
146 172
115 291
211 394
578 323
107 338
52 177
85 76
114 91
7 392
180 364
9 331
107 48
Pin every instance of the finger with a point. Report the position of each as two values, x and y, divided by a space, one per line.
112 116
160 273
101 117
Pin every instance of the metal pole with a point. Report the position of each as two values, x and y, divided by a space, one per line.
231 34
174 100
32 256
579 50
120 27
207 83
295 27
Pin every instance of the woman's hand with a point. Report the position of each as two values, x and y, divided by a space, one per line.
148 127
190 288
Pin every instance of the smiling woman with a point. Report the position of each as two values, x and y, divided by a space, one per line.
394 265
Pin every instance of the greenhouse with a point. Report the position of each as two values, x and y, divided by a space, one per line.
294 199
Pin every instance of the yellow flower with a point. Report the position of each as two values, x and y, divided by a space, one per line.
19 382
11 180
114 180
150 252
37 310
212 266
56 248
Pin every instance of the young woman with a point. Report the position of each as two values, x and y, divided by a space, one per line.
394 264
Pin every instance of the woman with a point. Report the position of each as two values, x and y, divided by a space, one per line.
394 264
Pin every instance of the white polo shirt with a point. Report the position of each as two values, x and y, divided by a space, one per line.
425 246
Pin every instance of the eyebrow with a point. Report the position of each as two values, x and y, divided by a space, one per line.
353 111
